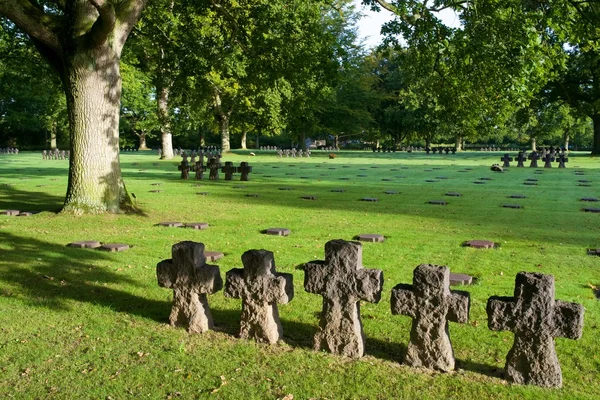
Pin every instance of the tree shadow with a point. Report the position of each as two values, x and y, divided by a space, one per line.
23 200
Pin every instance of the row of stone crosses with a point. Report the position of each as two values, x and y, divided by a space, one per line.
293 153
547 156
532 314
440 150
393 149
56 154
213 166
9 150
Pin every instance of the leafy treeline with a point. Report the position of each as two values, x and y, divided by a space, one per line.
96 75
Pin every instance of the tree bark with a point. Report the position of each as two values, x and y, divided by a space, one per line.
243 144
224 128
533 144
596 145
458 143
143 145
162 101
53 136
567 138
93 89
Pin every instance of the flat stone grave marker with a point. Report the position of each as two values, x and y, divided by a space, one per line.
485 179
260 287
512 206
191 280
371 199
584 185
374 166
41 185
332 168
427 170
517 196
85 244
386 179
362 176
479 182
453 194
338 190
441 177
114 247
197 225
531 180
539 172
460 279
27 213
592 210
391 192
290 173
268 176
480 244
590 199
171 224
155 191
438 202
278 231
394 169
584 181
304 177
468 169
593 252
431 180
530 183
156 184
343 282
344 179
203 193
286 188
370 237
238 187
11 213
362 169
436 168
309 197
536 319
463 170
431 304
251 194
213 256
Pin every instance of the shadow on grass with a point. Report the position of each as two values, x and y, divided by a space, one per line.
22 200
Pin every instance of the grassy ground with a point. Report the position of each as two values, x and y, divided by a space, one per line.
88 324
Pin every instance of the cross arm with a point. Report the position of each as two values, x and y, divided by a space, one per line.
234 283
31 19
315 276
568 319
501 313
166 274
404 301
281 288
208 278
460 303
369 283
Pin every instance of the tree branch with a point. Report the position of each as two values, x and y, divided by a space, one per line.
128 13
33 21
104 25
391 8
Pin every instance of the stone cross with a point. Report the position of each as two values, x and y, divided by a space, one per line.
343 282
536 319
245 169
260 288
520 159
534 157
199 169
431 304
229 170
213 167
184 167
44 155
191 280
507 159
562 159
548 160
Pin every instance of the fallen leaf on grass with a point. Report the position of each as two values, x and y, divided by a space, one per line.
223 383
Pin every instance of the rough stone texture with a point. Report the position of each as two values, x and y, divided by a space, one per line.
114 247
86 244
536 319
11 213
460 279
480 244
197 225
171 224
278 231
260 288
431 304
370 237
343 282
191 280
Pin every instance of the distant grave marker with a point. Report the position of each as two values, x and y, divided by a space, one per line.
11 213
114 247
438 202
370 199
453 194
460 279
278 231
85 244
480 244
171 224
370 237
197 225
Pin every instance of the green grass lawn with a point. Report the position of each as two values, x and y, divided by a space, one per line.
88 324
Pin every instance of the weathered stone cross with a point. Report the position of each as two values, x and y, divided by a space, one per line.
191 280
431 304
536 319
260 288
199 168
245 169
534 157
229 170
562 159
520 159
184 167
343 282
548 160
213 167
507 159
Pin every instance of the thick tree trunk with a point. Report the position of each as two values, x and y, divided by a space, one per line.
427 143
243 145
143 145
93 88
458 143
257 143
336 141
596 145
224 127
162 101
202 137
53 136
567 138
533 144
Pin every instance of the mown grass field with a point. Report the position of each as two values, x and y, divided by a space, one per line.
88 324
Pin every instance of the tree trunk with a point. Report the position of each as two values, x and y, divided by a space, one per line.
53 136
567 138
336 141
427 143
257 144
243 140
162 101
93 89
458 143
533 144
224 127
202 137
596 146
143 145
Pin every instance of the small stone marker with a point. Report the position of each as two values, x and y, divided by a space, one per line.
431 180
530 183
593 252
371 199
171 224
480 244
26 213
517 196
252 195
460 279
278 231
592 210
438 202
155 191
338 190
309 197
453 194
197 225
512 206
590 199
85 244
285 188
431 304
213 256
114 247
485 179
479 182
191 280
260 287
343 283
370 237
391 192
344 179
11 213
203 193
536 319
531 180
